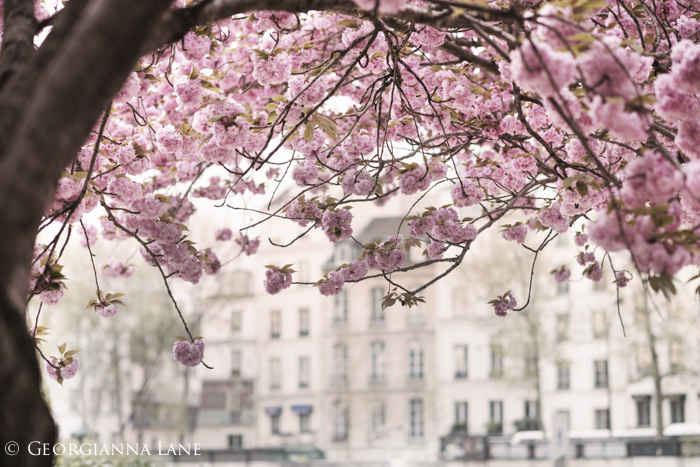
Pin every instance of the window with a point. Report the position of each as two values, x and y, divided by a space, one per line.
461 360
304 322
415 422
275 373
415 315
677 408
562 288
304 372
240 283
376 297
236 363
643 357
563 375
643 410
303 270
415 361
304 423
75 400
675 353
495 424
531 412
275 423
340 354
460 301
496 360
530 362
461 424
600 325
602 419
213 397
562 327
340 308
601 373
377 419
275 324
377 364
342 254
236 321
340 421
235 441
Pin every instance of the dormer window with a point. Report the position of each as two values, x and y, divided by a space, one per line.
342 254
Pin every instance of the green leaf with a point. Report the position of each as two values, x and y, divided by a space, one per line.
62 348
181 338
309 131
582 188
347 23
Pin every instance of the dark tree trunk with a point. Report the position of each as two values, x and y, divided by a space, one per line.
48 106
24 415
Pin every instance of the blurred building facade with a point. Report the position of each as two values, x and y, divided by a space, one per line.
365 384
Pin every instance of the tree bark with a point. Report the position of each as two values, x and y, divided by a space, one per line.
48 125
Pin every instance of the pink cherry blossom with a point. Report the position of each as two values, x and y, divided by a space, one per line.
276 280
187 353
67 369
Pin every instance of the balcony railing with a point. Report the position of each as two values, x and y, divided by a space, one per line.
211 417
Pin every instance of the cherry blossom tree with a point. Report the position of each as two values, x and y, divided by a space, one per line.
538 116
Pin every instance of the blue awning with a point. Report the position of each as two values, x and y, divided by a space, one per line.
302 409
272 411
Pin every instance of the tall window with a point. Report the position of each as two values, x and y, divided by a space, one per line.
240 283
304 372
495 417
340 308
275 373
340 355
342 254
275 324
377 419
415 422
377 363
236 363
377 313
340 421
600 325
415 361
602 419
461 419
601 373
496 361
461 361
275 423
460 301
304 422
531 361
562 327
643 410
562 288
304 322
235 441
677 402
531 412
643 357
563 375
236 321
675 353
